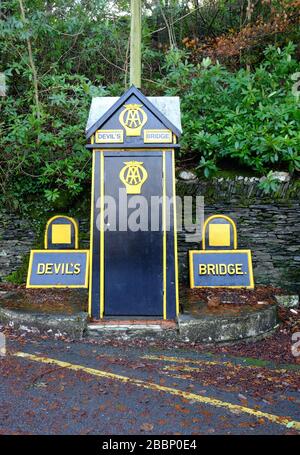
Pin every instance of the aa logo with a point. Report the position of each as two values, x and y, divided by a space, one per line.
133 118
133 175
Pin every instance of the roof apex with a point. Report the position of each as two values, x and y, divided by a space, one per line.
114 103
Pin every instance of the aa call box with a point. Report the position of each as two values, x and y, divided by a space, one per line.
133 271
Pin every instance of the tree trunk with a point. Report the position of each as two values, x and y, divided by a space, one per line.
32 65
135 43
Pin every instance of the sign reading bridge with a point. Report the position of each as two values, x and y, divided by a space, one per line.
220 264
221 268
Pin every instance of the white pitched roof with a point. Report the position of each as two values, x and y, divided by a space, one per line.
169 106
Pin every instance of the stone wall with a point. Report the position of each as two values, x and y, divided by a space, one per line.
268 225
16 239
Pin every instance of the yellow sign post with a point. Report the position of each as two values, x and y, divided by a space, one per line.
220 264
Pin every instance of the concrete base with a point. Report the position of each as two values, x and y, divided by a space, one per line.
227 323
222 327
98 330
131 326
72 326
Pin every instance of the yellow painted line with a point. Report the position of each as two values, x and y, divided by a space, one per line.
212 362
181 360
180 368
234 408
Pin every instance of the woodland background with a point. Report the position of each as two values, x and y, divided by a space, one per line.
234 64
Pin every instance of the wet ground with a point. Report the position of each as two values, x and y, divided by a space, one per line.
217 302
96 387
123 385
54 301
193 301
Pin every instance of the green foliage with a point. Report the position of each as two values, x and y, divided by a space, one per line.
19 276
208 166
80 50
46 158
250 117
269 183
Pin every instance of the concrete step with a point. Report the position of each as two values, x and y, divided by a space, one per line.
139 326
92 328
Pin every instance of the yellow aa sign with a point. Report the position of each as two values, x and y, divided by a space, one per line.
133 118
133 175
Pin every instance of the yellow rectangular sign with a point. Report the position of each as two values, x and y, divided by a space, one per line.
109 136
61 233
221 269
157 136
219 234
58 269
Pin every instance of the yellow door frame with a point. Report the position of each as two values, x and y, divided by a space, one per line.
102 253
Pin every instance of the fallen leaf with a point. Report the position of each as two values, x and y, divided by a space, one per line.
147 427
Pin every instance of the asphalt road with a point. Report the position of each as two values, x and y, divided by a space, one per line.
57 387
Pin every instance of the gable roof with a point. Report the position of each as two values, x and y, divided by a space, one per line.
120 102
169 106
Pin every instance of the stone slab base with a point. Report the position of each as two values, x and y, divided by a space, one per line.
130 325
71 326
222 328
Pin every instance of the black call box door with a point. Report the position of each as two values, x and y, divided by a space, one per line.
133 273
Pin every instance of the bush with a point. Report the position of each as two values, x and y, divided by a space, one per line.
46 159
250 117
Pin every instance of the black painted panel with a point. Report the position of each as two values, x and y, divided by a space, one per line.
133 260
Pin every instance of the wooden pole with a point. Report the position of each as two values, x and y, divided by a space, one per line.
135 43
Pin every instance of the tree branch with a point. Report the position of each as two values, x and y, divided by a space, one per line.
32 65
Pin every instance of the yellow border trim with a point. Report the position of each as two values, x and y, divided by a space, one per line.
164 240
225 217
137 150
86 279
73 221
102 193
175 235
192 282
92 234
121 141
154 141
101 236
